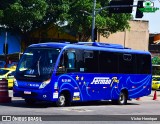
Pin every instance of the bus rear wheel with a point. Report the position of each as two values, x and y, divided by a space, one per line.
122 100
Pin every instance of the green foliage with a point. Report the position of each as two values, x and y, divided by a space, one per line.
1 14
25 15
80 18
156 60
155 72
155 67
20 15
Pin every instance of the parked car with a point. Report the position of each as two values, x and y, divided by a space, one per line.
156 82
8 73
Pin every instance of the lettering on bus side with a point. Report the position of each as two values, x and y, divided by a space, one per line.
101 80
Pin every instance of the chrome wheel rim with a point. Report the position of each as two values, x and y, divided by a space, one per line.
121 98
61 100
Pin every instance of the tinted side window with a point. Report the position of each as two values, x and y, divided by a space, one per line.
108 62
72 60
91 61
127 63
80 60
67 62
144 64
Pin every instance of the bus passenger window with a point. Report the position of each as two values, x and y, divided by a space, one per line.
61 66
67 63
71 60
91 61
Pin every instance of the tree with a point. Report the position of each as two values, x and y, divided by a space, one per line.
79 22
156 60
26 15
155 65
20 15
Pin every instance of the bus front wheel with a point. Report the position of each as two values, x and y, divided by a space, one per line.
63 100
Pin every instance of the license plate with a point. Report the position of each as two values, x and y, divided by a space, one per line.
27 92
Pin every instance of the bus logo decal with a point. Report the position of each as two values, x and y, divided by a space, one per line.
114 80
31 71
101 80
105 80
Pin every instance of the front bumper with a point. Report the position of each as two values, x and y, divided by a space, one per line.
37 94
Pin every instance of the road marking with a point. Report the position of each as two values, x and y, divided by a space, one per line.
77 110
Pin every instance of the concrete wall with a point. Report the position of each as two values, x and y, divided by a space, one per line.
137 37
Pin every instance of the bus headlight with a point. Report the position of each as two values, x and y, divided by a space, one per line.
45 83
15 82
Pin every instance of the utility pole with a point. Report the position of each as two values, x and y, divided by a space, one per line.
121 4
5 49
93 20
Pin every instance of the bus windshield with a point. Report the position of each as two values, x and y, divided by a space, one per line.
37 62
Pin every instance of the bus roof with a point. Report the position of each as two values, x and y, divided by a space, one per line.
91 46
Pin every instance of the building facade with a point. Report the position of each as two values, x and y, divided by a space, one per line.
137 37
154 44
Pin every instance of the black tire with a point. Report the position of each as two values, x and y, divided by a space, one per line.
61 100
30 101
122 100
64 99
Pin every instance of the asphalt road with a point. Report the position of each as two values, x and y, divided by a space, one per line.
100 112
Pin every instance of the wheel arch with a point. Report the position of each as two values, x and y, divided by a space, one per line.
125 90
67 93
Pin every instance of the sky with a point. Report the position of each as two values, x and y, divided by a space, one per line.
153 18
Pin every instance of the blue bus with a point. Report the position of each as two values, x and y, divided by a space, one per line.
84 71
